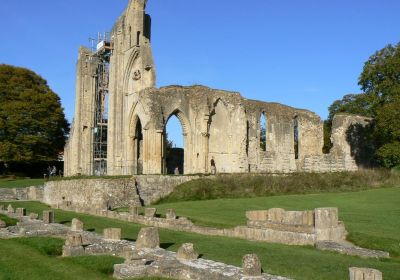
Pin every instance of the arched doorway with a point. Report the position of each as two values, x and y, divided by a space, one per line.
174 145
138 148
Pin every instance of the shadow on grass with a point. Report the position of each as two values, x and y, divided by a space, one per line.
166 245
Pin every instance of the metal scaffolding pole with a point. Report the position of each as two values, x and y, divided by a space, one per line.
102 55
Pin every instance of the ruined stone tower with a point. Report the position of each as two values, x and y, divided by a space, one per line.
220 128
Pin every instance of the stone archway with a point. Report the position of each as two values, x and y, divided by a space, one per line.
176 158
137 138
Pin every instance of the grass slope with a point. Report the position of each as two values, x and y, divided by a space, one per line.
9 221
20 183
256 185
293 261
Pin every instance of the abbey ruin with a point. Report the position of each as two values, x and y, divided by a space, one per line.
120 119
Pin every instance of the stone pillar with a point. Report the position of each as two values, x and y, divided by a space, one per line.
76 225
327 226
251 265
152 151
112 233
48 217
73 246
20 212
357 273
134 211
10 209
148 238
205 145
187 252
150 212
33 216
171 215
326 218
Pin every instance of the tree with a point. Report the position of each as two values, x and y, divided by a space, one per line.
380 81
32 122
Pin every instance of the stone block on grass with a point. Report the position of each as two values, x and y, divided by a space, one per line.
170 214
150 212
187 252
33 216
20 212
326 218
148 238
48 217
10 209
73 245
112 234
357 273
76 225
74 239
134 210
251 265
3 224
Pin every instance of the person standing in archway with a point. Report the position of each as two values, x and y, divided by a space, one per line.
213 167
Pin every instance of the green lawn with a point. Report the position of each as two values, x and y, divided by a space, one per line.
20 183
38 258
292 261
371 217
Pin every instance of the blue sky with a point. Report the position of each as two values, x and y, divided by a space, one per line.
304 53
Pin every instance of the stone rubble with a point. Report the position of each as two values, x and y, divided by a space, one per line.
145 258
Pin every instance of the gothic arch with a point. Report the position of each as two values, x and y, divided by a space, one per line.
129 70
183 120
136 138
185 124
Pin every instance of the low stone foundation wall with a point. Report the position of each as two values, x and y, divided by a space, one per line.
30 193
111 193
145 258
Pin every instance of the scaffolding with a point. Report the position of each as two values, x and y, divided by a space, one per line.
102 50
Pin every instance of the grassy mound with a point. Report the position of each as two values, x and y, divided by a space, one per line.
256 185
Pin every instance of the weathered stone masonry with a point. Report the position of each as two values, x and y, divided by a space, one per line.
216 124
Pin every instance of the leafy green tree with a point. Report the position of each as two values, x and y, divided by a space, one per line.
380 78
380 81
32 122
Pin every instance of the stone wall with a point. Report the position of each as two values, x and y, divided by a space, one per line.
30 193
218 126
152 188
111 193
351 148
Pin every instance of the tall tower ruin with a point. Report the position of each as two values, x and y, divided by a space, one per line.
108 80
